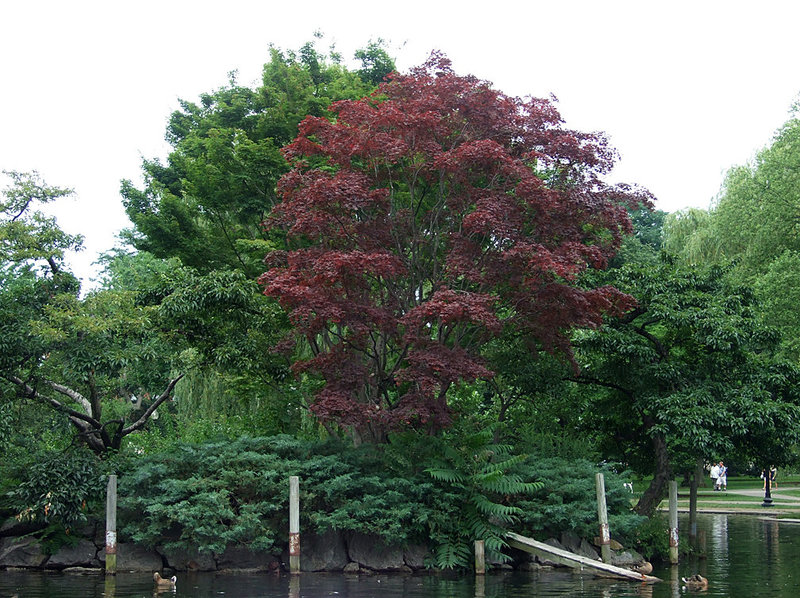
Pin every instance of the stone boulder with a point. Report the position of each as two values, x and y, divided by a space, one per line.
21 552
242 558
570 541
414 556
587 550
627 558
545 561
323 552
83 554
188 560
132 557
370 552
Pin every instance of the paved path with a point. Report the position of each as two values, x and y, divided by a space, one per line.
783 503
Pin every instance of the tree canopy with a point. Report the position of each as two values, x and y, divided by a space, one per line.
689 373
206 204
422 221
58 349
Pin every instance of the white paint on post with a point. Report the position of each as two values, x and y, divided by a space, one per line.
294 524
673 522
602 516
111 525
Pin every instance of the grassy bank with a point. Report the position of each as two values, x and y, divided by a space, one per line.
744 495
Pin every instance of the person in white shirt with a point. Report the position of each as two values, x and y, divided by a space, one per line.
722 479
715 476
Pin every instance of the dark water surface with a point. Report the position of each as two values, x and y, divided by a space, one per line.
747 557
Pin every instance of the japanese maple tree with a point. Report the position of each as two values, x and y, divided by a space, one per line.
428 217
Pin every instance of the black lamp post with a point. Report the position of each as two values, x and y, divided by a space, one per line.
767 488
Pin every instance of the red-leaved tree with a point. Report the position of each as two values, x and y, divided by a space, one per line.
429 216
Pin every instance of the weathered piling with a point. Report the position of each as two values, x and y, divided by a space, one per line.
111 526
673 522
294 524
602 515
480 557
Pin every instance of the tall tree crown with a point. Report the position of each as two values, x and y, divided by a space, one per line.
427 217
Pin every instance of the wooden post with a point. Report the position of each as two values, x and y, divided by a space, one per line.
673 522
480 558
602 515
294 524
111 526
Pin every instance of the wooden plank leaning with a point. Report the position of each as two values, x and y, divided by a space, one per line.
576 561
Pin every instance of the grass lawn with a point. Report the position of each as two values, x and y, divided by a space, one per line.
785 499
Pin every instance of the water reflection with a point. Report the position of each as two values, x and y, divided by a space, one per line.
746 556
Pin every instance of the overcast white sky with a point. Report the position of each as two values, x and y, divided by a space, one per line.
684 89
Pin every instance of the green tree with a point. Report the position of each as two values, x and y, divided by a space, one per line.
76 355
689 373
754 224
205 205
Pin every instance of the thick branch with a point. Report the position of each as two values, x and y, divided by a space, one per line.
662 351
139 423
582 379
74 395
32 393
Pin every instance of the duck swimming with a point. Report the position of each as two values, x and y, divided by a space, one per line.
695 582
163 583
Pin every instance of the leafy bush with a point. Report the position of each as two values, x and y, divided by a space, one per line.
442 492
58 487
567 501
651 538
486 481
219 494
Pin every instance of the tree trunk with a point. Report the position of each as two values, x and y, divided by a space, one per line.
655 493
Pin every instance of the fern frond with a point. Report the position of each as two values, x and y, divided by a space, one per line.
445 475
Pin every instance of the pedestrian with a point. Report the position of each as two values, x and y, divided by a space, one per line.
715 476
722 479
773 473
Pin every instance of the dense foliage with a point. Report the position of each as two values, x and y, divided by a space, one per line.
753 224
442 495
423 221
689 374
81 356
447 275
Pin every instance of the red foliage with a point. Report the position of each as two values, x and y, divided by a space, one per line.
427 217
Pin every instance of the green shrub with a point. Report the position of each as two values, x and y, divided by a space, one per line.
443 492
58 487
651 538
567 501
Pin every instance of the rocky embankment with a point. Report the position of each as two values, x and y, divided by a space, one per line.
342 552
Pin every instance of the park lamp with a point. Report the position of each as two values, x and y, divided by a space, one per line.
767 488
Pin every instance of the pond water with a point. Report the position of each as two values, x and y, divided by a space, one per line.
746 556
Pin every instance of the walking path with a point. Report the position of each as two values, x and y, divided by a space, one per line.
710 503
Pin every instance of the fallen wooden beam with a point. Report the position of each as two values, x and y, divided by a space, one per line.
576 561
